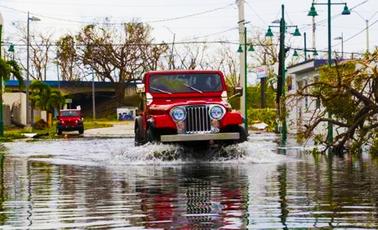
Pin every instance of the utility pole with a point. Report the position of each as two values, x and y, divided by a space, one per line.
367 36
243 64
171 64
57 67
93 97
28 112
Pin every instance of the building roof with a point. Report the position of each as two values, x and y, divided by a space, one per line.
306 66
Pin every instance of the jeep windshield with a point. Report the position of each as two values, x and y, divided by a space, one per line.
69 113
185 83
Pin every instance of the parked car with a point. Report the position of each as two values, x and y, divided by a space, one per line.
186 106
70 120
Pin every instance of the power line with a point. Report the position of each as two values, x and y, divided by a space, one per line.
155 44
121 23
357 34
191 15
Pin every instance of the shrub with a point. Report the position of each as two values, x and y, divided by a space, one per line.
268 116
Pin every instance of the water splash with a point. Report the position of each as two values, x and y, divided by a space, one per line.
123 152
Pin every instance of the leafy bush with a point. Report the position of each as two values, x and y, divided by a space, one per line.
268 116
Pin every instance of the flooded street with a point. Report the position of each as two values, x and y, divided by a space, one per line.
108 183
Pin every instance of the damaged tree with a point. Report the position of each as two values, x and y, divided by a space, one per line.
349 92
119 57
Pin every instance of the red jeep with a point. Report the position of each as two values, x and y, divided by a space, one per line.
70 120
184 106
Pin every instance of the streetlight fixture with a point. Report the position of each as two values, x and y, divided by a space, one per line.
313 13
282 71
295 54
29 19
244 96
11 50
342 44
1 83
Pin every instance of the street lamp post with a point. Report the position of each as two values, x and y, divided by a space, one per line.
281 108
1 83
243 49
313 13
28 111
305 45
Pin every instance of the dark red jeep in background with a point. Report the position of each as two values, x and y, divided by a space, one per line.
187 106
70 120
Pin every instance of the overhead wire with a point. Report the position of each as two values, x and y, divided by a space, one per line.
120 23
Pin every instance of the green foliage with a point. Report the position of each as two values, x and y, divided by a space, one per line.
374 147
334 95
45 98
254 97
7 68
268 116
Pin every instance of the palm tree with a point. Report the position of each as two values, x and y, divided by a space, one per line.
42 96
7 68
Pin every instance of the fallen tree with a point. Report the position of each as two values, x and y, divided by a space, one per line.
348 93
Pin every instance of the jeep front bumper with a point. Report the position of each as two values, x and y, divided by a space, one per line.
199 137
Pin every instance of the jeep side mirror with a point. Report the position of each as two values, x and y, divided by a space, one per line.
140 88
239 91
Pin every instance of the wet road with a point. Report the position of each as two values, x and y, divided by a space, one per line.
108 183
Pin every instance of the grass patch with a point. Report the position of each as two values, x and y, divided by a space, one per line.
12 134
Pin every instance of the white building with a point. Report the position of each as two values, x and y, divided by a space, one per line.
300 110
14 108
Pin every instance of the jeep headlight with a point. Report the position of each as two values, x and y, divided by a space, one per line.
216 112
178 114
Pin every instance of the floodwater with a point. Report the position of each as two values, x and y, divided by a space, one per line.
107 183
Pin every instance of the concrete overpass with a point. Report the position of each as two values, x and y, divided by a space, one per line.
81 93
75 87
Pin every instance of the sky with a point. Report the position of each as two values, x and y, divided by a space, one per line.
197 19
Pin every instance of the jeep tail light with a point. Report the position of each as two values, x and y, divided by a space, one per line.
224 96
149 98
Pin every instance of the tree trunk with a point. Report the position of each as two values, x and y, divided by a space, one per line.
120 92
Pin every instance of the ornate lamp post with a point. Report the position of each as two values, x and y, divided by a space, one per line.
29 19
282 71
313 13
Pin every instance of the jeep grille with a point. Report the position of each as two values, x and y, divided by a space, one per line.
198 119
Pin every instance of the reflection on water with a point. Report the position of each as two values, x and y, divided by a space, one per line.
313 192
